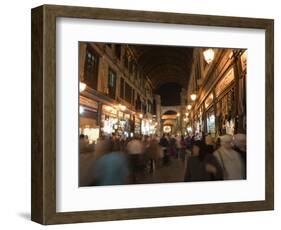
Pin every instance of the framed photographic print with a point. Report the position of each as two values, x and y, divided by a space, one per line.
140 114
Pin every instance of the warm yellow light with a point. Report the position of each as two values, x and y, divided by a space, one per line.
178 114
108 108
189 107
82 86
193 97
209 55
141 116
122 107
186 114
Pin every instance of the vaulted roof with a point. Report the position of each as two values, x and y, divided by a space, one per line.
164 64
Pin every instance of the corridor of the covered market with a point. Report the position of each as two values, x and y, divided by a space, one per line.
161 114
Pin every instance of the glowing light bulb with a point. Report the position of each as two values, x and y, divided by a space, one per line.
209 55
193 97
82 86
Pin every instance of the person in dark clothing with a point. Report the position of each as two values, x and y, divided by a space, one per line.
202 166
210 149
188 141
137 160
182 149
209 144
172 147
165 143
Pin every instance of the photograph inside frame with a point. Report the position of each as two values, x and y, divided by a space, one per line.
161 114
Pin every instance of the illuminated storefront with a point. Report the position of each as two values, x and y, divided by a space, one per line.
198 121
148 127
210 115
88 121
145 127
109 120
125 125
211 123
229 127
221 93
137 125
225 104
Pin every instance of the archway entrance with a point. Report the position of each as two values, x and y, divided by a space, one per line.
170 120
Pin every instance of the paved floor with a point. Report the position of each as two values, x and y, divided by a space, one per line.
174 172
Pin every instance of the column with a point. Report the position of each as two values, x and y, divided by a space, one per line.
82 55
182 110
236 90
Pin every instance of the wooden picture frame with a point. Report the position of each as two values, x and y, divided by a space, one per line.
43 208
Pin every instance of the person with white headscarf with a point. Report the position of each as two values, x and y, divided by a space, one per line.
229 159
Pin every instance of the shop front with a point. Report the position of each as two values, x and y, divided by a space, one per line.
228 117
145 127
148 126
88 119
125 124
210 119
242 119
226 104
109 120
211 122
198 121
137 128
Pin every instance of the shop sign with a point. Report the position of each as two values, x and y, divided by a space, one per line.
127 116
120 115
225 82
109 110
137 119
209 100
88 102
244 60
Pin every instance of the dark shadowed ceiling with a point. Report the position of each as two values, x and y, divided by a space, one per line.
169 93
164 64
168 68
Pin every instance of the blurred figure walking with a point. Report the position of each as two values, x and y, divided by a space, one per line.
202 166
165 143
155 154
230 160
240 146
111 167
137 160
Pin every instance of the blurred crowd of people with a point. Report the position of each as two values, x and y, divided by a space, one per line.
118 160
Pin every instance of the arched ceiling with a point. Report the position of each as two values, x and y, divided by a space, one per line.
164 64
170 112
169 93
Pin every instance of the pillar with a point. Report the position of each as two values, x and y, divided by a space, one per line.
182 110
236 90
158 113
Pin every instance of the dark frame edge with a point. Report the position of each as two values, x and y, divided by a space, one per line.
37 204
43 121
158 212
269 113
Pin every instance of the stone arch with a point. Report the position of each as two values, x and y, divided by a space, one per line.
165 109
